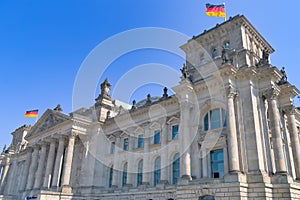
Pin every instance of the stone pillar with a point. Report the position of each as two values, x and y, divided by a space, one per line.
204 163
116 167
50 163
131 169
41 165
26 168
276 130
146 158
68 164
290 112
232 136
33 168
4 175
185 141
164 154
58 162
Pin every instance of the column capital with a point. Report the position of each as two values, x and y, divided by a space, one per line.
289 110
231 91
271 93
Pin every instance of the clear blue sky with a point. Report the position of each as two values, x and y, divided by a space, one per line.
43 43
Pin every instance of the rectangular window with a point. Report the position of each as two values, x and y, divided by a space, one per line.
175 129
112 147
140 141
217 163
157 137
215 119
125 146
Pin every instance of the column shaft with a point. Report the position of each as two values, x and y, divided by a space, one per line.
116 172
294 140
276 136
146 158
4 175
58 163
232 136
49 167
32 169
41 165
164 154
68 162
26 169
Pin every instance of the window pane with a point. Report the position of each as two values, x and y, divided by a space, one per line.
176 168
224 118
124 176
157 171
217 163
175 132
206 126
112 148
157 137
140 141
215 119
110 176
125 147
140 173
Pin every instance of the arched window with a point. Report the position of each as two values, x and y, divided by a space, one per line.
124 176
215 118
110 178
156 171
140 173
214 53
176 168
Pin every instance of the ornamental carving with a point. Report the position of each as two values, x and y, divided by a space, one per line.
271 93
290 110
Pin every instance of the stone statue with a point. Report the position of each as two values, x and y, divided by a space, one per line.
265 56
148 101
284 77
105 88
133 105
225 56
58 108
4 148
184 71
165 95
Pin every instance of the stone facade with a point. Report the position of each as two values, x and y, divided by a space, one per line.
231 131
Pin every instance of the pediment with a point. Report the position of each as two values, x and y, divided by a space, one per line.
48 120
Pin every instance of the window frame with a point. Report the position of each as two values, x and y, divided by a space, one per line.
157 137
140 143
124 174
213 161
126 144
139 179
175 136
207 119
176 172
157 171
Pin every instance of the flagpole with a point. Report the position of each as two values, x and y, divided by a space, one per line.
225 13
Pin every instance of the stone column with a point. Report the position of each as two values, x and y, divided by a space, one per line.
41 165
68 164
4 175
26 168
131 169
116 167
185 141
50 163
290 112
58 162
204 163
164 154
276 130
33 167
146 158
232 136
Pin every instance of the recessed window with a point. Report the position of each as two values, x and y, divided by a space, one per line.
175 129
227 45
140 141
140 173
124 175
112 147
156 171
176 168
217 163
214 53
157 137
111 171
126 144
215 119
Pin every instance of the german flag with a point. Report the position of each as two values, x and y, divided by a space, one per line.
216 10
32 113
